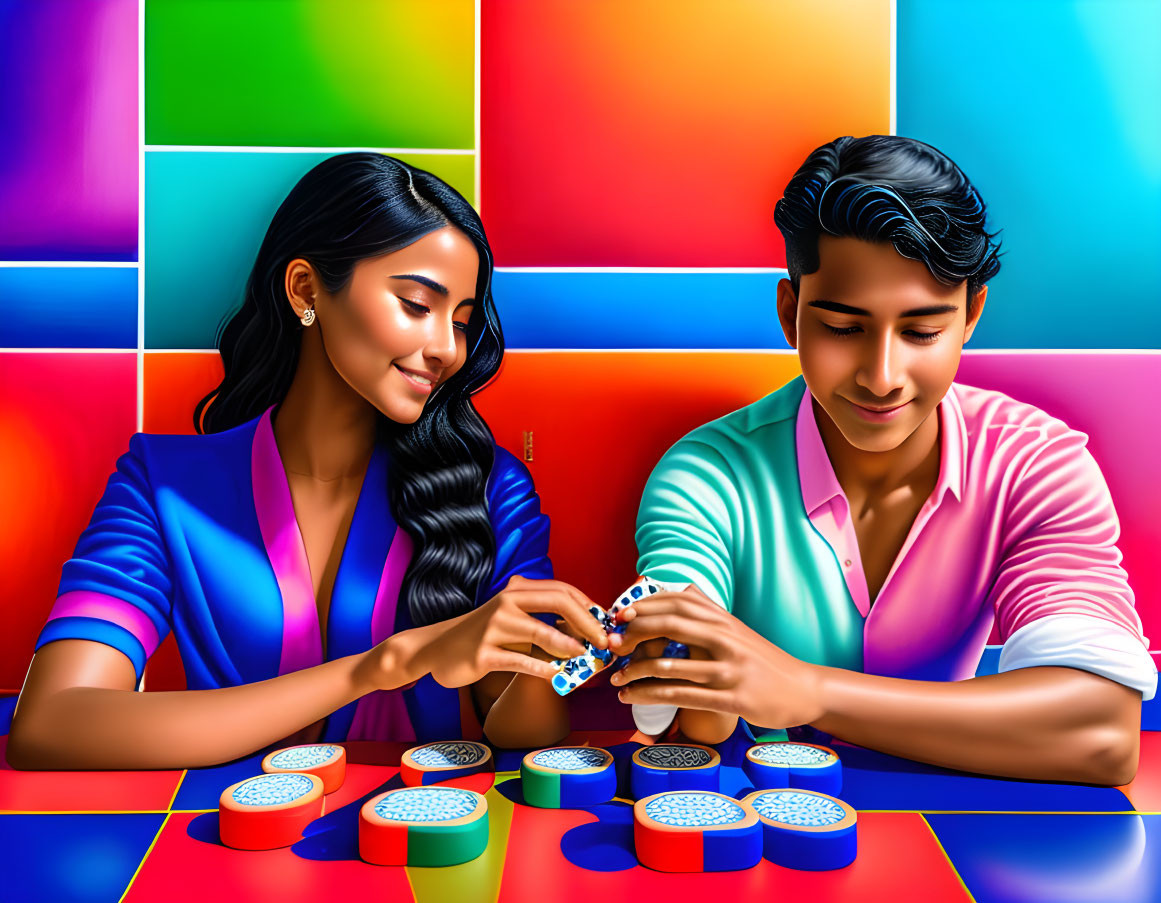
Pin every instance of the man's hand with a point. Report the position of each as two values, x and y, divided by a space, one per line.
731 668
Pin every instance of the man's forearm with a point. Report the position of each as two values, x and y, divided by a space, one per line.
1034 723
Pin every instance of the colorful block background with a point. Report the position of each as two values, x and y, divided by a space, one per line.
625 158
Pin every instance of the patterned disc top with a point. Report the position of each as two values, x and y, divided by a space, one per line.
272 789
443 755
674 757
793 807
571 758
790 754
426 804
303 756
691 809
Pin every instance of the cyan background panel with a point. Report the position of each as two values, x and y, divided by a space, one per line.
638 310
1053 111
205 215
68 307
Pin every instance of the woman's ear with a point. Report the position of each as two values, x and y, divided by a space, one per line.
788 311
301 286
977 309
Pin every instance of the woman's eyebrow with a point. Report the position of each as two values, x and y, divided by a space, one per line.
423 280
838 308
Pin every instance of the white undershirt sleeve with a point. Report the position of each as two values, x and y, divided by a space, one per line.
1084 642
655 719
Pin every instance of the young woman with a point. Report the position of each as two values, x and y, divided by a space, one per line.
343 546
863 528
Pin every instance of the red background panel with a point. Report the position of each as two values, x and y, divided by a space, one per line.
599 422
662 132
64 420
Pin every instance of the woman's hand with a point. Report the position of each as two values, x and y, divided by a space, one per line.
731 668
497 636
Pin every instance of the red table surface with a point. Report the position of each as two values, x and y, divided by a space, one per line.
900 856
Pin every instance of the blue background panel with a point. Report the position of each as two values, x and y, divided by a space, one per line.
69 307
66 858
619 310
1057 858
1051 109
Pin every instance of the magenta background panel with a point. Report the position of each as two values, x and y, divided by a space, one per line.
1111 397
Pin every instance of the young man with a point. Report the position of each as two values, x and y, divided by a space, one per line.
862 529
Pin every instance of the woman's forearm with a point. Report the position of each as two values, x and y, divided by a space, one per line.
1044 723
709 728
98 727
528 714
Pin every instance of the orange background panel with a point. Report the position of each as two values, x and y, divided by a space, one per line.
174 384
662 132
64 420
599 422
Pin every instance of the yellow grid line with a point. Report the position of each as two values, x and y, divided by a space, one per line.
173 798
950 864
137 870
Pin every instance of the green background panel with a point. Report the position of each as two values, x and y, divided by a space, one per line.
205 215
310 73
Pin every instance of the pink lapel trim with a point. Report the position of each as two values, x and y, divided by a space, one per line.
301 643
382 715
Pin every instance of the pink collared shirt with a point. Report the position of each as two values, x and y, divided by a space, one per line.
1020 517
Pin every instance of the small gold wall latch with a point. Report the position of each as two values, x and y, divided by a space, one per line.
528 445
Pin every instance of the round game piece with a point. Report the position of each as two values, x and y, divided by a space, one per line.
785 763
568 777
802 829
269 811
327 761
695 831
673 766
442 761
425 826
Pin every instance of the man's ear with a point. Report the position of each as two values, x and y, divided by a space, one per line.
788 311
977 309
301 286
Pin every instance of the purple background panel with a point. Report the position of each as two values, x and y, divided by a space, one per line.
68 117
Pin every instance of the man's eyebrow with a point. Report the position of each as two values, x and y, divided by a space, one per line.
423 280
838 308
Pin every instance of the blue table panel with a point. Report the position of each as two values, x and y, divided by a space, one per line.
65 858
1055 858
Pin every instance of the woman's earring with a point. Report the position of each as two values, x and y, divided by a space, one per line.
308 317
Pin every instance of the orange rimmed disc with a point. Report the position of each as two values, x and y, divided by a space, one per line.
327 761
269 811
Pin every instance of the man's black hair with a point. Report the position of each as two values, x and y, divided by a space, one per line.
884 188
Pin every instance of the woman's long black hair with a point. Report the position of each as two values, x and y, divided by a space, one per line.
348 208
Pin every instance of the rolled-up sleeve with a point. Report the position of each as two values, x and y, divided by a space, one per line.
116 588
1061 596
